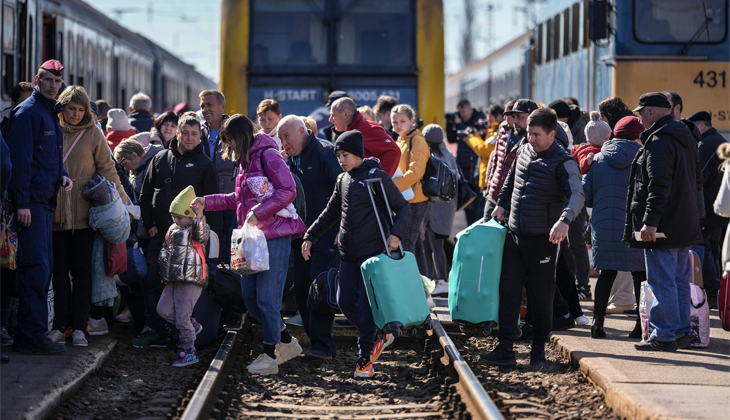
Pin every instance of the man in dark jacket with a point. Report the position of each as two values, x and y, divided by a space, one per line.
662 199
333 96
140 112
171 171
543 194
35 140
456 125
315 163
213 106
712 224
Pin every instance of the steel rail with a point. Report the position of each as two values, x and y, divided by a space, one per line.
477 399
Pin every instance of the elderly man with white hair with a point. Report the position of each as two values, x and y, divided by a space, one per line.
315 163
140 112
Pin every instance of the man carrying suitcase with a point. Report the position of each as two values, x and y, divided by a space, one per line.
543 194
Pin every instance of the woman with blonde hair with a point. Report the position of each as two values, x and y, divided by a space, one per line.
85 153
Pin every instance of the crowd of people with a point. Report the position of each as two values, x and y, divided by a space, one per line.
642 189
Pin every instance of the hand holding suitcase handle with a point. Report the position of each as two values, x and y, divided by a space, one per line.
392 243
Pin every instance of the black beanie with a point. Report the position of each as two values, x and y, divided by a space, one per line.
351 142
561 108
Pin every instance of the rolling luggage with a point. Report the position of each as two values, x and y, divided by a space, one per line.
474 276
393 283
723 302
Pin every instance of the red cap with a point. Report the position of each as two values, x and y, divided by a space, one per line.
628 128
53 66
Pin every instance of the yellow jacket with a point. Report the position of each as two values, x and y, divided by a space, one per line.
90 156
413 164
483 149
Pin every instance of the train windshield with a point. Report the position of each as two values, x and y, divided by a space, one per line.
289 32
680 21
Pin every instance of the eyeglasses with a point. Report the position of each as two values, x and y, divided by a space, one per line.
122 160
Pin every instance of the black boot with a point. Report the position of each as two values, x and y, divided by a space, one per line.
636 333
597 327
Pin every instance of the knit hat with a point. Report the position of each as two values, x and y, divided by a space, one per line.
181 204
561 108
117 120
596 129
433 133
351 142
628 128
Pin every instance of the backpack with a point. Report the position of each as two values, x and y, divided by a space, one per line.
323 293
439 181
300 201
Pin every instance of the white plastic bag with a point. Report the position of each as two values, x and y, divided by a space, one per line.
249 251
699 317
407 194
645 304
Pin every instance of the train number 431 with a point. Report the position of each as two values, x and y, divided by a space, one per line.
710 79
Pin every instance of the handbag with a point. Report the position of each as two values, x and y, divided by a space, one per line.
8 234
115 258
467 192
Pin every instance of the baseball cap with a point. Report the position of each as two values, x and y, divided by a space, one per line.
653 99
522 105
53 66
700 116
335 95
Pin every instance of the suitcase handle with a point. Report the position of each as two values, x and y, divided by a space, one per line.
368 183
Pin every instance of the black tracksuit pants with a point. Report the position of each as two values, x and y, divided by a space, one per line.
528 261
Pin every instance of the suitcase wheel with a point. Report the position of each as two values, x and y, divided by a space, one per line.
518 333
395 328
488 327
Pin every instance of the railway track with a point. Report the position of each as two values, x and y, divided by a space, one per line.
423 377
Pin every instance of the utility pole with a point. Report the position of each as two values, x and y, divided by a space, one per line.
467 36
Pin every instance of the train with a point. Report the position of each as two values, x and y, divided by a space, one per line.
593 49
109 61
297 52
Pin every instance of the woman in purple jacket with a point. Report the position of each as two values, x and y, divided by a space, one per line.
259 158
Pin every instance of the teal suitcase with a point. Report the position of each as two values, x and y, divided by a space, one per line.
393 284
474 276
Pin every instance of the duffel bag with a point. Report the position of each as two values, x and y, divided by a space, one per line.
323 293
225 288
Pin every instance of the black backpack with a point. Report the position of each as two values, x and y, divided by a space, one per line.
323 293
300 201
439 181
225 288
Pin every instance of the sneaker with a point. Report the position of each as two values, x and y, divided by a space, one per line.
263 365
431 303
364 368
442 288
684 342
125 316
5 338
656 345
584 292
185 357
295 320
57 337
149 339
79 339
196 325
500 356
288 351
561 323
45 347
582 320
381 345
98 327
144 331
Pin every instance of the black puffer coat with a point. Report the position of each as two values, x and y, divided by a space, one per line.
710 163
668 161
351 206
541 189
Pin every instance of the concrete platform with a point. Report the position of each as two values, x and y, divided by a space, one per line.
32 387
688 384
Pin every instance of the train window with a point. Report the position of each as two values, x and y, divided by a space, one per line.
8 28
288 32
8 72
556 37
585 22
566 32
538 48
549 41
678 21
377 32
575 25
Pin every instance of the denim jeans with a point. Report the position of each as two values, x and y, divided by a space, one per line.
263 291
668 273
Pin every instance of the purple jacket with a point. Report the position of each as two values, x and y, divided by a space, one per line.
244 200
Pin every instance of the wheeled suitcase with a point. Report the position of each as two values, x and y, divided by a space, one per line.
723 301
474 276
393 283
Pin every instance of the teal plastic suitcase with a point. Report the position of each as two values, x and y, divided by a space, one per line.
474 276
393 283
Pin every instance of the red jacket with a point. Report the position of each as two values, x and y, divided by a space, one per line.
377 143
501 161
116 137
580 152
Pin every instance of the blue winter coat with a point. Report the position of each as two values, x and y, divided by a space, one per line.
35 140
606 186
